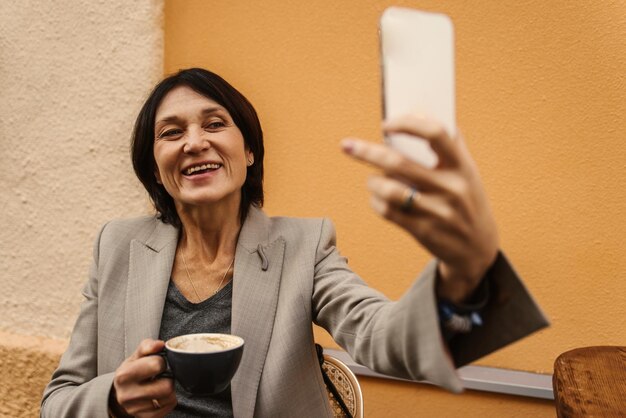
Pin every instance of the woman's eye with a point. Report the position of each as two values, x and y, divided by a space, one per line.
170 133
215 125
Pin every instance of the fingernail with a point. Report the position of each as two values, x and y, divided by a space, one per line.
347 145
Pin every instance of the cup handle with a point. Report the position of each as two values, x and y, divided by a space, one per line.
168 371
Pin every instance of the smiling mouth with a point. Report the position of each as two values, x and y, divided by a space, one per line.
201 169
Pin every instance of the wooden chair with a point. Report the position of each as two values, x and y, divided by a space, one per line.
590 382
347 386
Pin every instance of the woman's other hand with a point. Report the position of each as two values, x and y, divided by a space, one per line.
136 390
445 208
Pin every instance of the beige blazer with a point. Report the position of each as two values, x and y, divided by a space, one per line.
288 274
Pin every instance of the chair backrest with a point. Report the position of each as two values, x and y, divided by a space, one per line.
590 382
347 386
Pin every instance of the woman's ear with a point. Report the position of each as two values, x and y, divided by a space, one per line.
157 175
250 158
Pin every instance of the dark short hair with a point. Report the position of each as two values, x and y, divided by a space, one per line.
214 87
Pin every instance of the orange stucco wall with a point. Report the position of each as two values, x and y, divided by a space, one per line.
541 96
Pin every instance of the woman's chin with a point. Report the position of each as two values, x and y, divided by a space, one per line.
208 200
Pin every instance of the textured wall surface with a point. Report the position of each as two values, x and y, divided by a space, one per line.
541 94
72 78
26 364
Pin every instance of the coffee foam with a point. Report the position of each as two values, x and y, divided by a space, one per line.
203 343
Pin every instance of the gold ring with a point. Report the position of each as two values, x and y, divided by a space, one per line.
156 404
409 196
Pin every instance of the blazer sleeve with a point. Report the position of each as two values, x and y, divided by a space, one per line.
76 389
403 338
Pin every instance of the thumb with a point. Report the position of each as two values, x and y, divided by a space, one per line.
148 347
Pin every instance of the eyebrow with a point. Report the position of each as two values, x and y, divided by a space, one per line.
176 119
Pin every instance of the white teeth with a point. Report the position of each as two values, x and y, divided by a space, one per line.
192 170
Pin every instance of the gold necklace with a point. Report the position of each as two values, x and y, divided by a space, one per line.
219 286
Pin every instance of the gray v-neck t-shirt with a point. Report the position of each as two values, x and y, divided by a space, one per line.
180 316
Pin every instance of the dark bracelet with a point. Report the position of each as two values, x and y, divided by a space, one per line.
454 321
461 318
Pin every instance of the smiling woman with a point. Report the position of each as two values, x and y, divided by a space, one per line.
200 153
211 261
217 103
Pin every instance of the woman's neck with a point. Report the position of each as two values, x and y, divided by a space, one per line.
209 232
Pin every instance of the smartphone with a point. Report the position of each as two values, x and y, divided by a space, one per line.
417 60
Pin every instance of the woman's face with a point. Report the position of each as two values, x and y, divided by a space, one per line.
200 153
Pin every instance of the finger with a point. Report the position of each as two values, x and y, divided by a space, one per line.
148 347
156 407
168 403
391 162
394 192
441 238
398 194
139 398
444 193
169 399
141 408
165 388
155 413
421 227
429 129
158 388
415 224
136 371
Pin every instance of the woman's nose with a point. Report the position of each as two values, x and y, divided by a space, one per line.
196 141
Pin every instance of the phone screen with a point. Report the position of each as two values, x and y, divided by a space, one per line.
417 59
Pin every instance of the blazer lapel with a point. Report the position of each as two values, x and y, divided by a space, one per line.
258 268
149 271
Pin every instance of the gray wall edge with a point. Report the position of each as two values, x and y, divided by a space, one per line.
487 379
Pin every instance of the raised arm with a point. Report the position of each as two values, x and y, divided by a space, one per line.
446 209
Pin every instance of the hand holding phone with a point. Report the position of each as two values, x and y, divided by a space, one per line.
445 209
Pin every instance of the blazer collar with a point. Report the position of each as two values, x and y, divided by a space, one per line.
255 230
256 281
149 271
